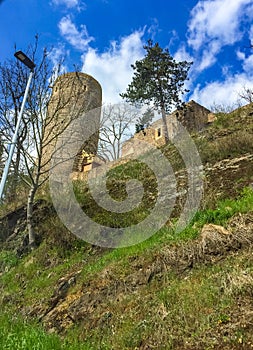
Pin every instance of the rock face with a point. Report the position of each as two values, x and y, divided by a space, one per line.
11 222
13 234
192 116
73 95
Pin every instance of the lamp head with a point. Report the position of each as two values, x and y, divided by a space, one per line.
21 56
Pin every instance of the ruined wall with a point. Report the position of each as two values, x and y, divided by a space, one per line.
192 116
73 94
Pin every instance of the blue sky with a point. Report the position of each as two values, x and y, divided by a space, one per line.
104 37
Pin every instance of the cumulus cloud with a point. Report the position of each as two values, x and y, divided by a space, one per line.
78 4
183 55
222 92
247 62
79 39
215 19
57 56
112 68
214 24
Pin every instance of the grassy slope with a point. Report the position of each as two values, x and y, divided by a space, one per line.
160 294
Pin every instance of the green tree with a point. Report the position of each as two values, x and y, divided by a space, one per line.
158 79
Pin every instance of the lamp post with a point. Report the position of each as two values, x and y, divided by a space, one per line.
27 62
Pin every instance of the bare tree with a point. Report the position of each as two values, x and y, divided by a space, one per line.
117 124
246 94
223 108
50 116
13 77
1 156
41 127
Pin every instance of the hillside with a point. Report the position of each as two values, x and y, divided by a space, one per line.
189 290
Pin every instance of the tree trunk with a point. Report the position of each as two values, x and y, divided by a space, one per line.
29 216
14 184
165 126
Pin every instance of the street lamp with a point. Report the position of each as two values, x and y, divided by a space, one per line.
24 59
27 62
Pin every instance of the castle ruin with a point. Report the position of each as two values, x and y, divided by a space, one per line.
73 94
76 93
192 116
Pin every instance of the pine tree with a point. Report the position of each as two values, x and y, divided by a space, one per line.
144 121
158 79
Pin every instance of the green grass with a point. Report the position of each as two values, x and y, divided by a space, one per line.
226 208
226 138
201 307
190 307
116 188
169 312
16 334
8 259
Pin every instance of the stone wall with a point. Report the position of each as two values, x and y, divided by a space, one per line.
73 94
192 116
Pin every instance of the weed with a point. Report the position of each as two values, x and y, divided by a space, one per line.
8 259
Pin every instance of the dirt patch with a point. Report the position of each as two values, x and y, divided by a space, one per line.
215 243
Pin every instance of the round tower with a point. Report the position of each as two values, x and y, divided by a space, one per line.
73 94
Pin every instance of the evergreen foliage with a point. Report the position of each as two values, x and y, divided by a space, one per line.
158 79
145 120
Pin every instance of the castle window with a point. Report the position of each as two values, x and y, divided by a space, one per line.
158 133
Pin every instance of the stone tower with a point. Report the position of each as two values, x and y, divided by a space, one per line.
73 94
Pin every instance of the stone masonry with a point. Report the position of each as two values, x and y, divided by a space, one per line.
73 94
192 116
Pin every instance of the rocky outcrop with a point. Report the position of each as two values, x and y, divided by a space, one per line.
13 234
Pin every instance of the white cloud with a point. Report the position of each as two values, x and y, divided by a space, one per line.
240 55
222 92
208 59
78 4
79 39
112 68
247 62
57 55
214 24
183 55
251 33
153 29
